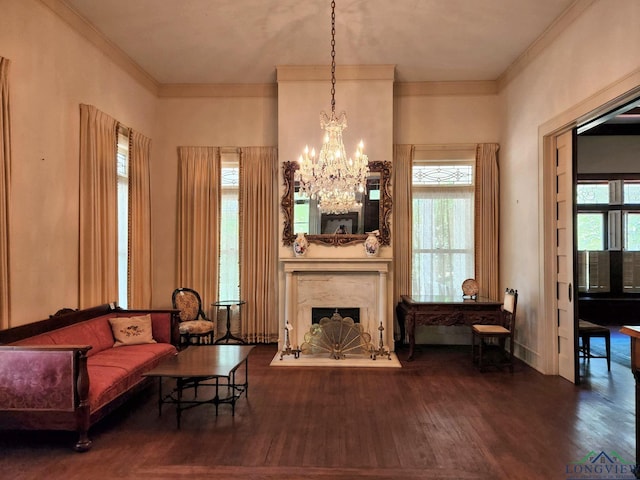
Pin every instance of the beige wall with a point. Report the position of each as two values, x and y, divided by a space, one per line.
600 49
216 122
364 93
53 69
446 119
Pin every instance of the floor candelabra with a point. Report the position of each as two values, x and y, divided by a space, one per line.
381 350
287 344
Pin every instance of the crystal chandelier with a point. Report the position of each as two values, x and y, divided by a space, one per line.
333 179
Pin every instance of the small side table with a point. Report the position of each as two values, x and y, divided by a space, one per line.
228 304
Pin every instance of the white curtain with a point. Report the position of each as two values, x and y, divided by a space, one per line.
229 255
442 238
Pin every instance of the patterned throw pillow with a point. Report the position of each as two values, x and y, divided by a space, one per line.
132 330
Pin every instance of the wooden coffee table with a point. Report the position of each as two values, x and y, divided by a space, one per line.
202 366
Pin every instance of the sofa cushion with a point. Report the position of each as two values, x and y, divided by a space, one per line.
95 332
115 370
42 339
131 330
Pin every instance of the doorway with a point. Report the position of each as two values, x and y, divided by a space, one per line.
608 224
559 277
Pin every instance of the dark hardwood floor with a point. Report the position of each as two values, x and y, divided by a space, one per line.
435 418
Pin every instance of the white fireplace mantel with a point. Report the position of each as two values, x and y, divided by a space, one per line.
332 282
365 264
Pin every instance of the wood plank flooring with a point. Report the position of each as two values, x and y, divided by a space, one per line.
435 418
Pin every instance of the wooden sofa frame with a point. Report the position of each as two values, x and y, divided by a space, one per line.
79 418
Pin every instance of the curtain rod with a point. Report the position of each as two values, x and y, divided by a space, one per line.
446 146
230 149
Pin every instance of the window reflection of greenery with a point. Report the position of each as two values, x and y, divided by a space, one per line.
229 276
592 229
122 172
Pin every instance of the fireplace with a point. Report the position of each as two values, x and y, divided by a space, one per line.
317 283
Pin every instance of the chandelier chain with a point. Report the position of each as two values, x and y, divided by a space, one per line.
334 181
333 56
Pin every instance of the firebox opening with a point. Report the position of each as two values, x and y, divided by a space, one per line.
318 313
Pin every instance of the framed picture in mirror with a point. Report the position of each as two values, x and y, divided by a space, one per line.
339 223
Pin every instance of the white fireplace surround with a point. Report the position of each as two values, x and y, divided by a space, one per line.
337 283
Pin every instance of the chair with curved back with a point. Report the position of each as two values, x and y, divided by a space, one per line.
194 327
498 334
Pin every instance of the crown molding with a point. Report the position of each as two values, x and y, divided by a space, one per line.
298 73
484 87
218 90
271 89
102 43
450 151
559 25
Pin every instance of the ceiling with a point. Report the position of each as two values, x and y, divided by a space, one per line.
242 41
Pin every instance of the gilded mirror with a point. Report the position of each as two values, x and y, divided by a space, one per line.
300 214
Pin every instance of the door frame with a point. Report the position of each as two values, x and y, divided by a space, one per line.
610 98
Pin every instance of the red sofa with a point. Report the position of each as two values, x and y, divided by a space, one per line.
65 373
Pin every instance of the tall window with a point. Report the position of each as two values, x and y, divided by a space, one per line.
229 279
122 163
592 228
443 226
608 234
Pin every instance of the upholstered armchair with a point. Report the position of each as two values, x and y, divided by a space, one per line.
194 327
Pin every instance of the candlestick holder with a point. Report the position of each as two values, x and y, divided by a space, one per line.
287 344
381 350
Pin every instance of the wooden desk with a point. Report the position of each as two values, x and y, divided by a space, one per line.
634 333
444 310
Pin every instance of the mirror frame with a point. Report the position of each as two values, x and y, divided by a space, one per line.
288 236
